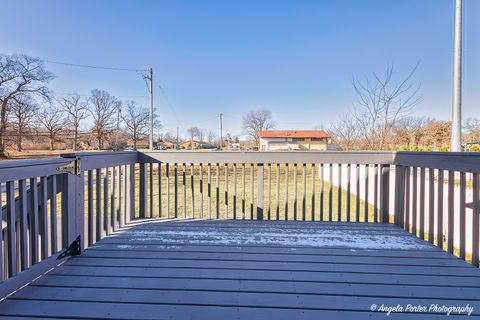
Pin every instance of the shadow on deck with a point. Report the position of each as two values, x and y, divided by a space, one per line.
203 269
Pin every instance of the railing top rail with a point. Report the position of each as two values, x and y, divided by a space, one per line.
14 164
353 157
456 161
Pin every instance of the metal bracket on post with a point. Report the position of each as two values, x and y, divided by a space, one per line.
74 249
73 167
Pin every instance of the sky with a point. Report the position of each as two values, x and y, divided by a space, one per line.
295 58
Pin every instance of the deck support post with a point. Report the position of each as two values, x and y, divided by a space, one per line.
260 201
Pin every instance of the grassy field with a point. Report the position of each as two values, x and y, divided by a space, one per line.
224 202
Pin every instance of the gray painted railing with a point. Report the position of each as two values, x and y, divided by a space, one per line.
45 208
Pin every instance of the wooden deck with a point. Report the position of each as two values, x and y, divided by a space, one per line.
250 270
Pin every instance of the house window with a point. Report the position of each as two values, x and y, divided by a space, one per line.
317 139
298 139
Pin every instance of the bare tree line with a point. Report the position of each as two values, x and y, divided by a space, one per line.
27 105
381 118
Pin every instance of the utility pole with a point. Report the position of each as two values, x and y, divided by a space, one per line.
221 131
150 121
456 142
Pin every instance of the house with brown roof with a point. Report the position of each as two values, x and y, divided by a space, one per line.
284 140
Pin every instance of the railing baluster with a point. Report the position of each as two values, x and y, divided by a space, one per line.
209 190
131 196
119 196
422 203
11 239
414 200
175 189
269 188
192 189
217 190
98 201
367 186
113 190
322 187
462 213
34 258
167 180
226 191
349 193
43 221
431 204
304 191
251 190
277 195
312 218
357 198
440 209
22 190
260 193
407 199
286 191
89 206
184 187
295 191
330 192
339 194
243 191
160 204
150 189
122 194
105 203
375 195
234 191
451 212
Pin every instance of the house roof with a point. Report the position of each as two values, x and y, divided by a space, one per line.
294 134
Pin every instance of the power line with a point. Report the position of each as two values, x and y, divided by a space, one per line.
94 67
58 93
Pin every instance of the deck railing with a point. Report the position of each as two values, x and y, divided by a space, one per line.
48 203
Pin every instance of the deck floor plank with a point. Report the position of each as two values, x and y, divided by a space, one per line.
250 270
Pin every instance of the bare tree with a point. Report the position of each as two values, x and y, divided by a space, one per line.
256 121
53 121
345 132
409 133
211 137
472 130
102 107
437 134
135 120
382 102
22 113
77 111
193 132
20 76
201 134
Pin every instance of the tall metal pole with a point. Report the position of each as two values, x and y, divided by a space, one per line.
221 131
150 138
176 147
457 81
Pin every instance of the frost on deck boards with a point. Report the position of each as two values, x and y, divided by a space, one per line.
250 270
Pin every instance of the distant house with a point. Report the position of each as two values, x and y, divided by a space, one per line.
283 140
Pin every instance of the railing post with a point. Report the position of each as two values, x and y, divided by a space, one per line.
260 195
72 209
385 193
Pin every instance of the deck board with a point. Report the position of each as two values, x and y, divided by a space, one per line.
250 270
